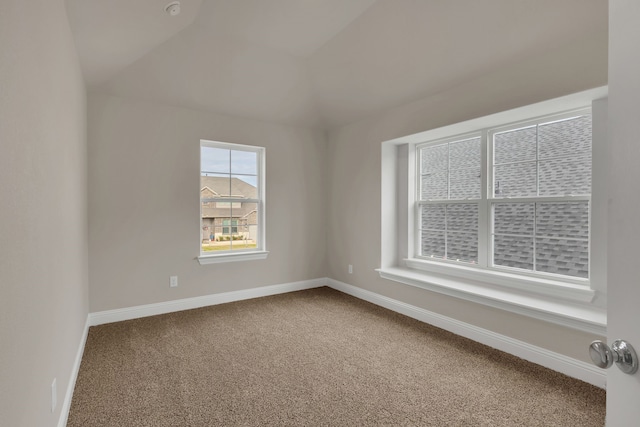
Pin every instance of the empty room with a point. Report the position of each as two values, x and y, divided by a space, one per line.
319 212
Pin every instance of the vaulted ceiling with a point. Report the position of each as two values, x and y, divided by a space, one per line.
320 63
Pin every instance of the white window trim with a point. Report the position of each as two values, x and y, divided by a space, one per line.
260 252
231 257
569 303
485 266
582 317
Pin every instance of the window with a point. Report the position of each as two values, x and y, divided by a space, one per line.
233 229
526 212
507 210
231 202
449 182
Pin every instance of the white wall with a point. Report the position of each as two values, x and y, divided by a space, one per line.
354 164
144 203
43 222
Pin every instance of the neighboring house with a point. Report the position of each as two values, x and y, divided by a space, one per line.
224 214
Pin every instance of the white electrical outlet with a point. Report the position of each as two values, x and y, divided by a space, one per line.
350 269
54 394
173 281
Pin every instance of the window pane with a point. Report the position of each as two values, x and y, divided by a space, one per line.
229 177
433 243
464 184
214 160
516 180
226 226
462 246
207 210
433 216
465 154
513 218
434 159
515 146
434 186
563 256
565 176
208 230
462 217
244 227
244 162
244 187
565 138
563 219
510 251
214 186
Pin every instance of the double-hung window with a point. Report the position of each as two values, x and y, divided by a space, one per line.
507 210
232 202
512 199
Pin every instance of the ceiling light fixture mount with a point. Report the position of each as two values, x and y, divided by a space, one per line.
173 8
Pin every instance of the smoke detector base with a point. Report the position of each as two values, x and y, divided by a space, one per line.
173 8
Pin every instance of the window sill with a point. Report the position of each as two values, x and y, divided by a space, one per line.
574 292
231 257
573 310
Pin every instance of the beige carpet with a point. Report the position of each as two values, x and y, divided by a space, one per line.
313 358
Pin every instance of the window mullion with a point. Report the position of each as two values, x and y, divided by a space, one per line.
484 217
446 206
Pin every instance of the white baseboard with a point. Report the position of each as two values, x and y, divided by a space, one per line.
66 404
549 359
118 315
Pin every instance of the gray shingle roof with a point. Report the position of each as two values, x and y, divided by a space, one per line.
229 186
549 237
224 187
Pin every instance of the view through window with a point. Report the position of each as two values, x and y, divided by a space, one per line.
231 197
527 210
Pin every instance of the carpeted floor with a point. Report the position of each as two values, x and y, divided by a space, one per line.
313 358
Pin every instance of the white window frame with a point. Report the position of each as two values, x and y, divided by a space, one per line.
575 302
487 199
480 201
260 251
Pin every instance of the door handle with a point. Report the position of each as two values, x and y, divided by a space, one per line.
621 352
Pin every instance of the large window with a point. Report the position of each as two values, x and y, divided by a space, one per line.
515 198
232 202
507 210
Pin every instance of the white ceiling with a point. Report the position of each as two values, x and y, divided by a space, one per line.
112 34
320 63
297 27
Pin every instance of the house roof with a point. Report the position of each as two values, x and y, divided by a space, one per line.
228 187
223 188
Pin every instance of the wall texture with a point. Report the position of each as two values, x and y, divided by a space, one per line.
354 179
144 203
43 221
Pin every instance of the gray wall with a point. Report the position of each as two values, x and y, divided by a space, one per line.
43 221
354 161
144 203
